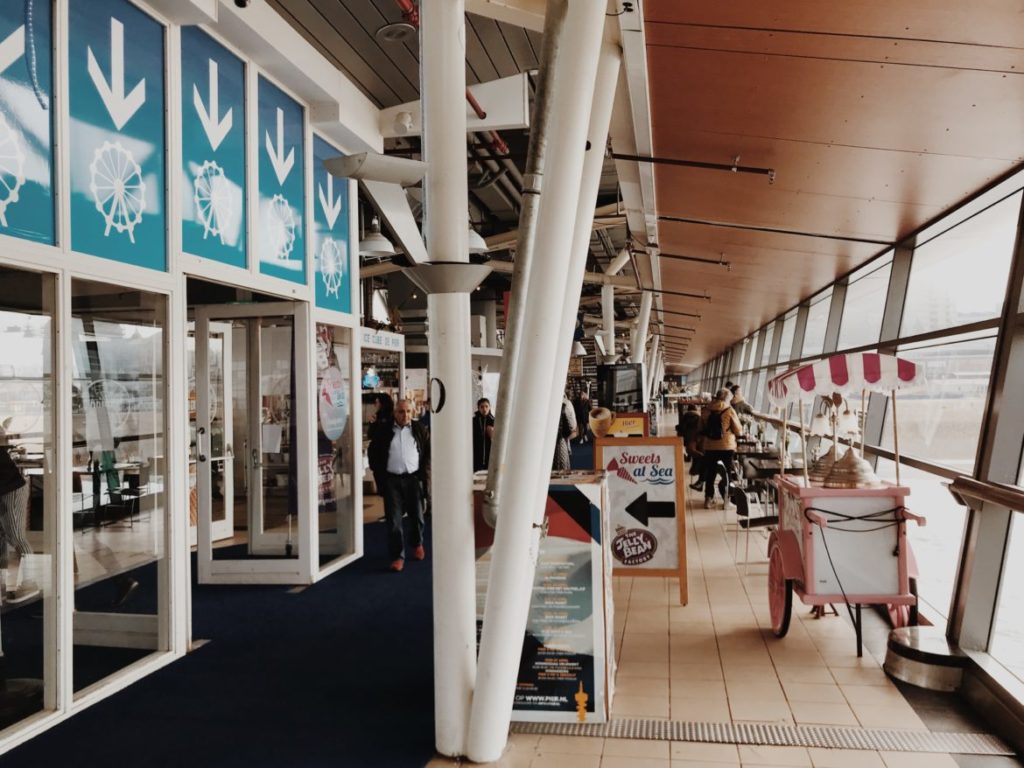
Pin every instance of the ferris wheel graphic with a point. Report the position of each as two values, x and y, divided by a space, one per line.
12 167
117 188
280 228
332 265
212 196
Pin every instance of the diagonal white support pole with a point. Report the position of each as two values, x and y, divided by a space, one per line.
443 85
521 494
608 320
636 351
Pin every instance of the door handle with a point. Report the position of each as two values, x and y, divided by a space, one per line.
256 462
200 434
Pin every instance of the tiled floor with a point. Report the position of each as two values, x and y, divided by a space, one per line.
716 660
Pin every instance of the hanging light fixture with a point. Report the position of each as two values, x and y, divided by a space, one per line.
476 243
374 244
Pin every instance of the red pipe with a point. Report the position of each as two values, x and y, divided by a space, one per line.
411 15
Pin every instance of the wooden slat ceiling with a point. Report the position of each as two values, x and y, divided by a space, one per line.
877 116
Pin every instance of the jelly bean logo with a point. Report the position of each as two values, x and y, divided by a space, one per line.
634 546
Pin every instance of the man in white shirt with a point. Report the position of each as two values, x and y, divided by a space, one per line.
399 454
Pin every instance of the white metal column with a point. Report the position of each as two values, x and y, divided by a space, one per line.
443 89
522 491
608 320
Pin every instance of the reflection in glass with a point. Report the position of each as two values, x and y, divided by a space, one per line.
27 496
865 303
1007 644
335 460
119 465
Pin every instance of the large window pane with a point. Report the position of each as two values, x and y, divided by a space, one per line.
941 421
119 463
1008 634
786 342
960 276
27 501
766 353
936 545
865 303
817 322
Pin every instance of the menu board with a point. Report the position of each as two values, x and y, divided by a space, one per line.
565 672
646 505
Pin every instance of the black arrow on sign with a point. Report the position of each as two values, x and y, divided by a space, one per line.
643 510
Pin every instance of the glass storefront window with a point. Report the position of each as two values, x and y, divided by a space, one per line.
27 492
119 464
960 276
865 303
335 460
817 322
1007 644
937 544
941 422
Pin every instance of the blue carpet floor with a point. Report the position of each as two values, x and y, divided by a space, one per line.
340 674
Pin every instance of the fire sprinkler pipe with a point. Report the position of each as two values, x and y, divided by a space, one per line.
443 85
523 488
533 177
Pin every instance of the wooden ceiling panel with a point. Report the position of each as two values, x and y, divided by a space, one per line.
980 22
810 45
909 109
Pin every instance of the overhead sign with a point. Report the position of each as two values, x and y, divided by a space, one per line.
26 122
282 244
330 233
646 502
116 85
212 149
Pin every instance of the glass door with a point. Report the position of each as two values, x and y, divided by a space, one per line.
263 351
217 443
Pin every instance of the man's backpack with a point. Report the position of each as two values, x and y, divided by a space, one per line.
713 427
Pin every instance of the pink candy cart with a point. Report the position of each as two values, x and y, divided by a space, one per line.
842 544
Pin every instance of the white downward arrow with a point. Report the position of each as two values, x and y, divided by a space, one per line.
216 128
120 107
12 48
330 204
282 165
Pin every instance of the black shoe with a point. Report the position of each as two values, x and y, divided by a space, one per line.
697 486
126 587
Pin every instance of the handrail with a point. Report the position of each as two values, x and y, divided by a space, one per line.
980 492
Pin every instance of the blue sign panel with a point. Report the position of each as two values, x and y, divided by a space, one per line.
116 81
330 233
26 124
212 149
282 243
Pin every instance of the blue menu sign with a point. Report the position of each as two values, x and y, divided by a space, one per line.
116 79
212 149
282 243
330 233
26 124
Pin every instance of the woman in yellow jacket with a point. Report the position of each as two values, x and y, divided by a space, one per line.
720 427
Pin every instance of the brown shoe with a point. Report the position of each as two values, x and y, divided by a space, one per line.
419 553
397 565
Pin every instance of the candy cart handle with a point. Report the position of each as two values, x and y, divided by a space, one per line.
816 518
906 514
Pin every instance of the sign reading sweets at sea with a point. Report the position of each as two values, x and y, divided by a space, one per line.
647 509
26 125
212 149
116 87
282 242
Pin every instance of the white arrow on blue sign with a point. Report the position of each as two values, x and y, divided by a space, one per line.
282 164
119 106
216 128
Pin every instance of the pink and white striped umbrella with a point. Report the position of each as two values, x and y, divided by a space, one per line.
853 372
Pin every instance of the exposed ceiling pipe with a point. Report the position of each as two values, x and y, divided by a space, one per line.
616 265
411 15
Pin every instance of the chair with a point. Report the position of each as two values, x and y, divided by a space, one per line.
741 500
126 496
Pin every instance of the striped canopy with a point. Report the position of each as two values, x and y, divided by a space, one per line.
853 372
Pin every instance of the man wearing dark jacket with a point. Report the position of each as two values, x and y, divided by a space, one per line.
399 455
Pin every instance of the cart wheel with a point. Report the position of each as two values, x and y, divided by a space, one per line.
780 594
